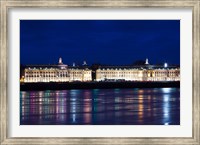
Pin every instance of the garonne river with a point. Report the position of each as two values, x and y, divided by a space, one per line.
137 106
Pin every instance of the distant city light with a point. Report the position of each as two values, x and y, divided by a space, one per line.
165 65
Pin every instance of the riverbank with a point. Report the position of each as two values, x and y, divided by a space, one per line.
96 85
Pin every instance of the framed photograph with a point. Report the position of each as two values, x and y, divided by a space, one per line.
100 72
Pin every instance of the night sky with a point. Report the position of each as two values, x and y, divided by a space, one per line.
112 42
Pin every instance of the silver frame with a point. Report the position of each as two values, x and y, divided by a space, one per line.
5 5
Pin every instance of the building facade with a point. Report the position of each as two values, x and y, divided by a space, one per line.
138 74
145 72
65 73
56 73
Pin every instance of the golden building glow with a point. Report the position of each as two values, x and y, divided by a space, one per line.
57 73
64 73
138 74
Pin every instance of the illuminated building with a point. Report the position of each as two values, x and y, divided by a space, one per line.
64 73
144 72
57 73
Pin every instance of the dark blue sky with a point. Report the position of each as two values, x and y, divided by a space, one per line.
116 42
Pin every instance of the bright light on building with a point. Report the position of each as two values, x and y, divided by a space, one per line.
165 65
65 73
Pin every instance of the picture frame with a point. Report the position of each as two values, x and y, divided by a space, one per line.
4 57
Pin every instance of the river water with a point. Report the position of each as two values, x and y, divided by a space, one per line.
143 106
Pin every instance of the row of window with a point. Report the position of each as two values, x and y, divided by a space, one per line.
57 72
117 72
45 76
108 72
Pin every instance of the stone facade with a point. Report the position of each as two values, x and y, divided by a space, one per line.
64 73
143 73
57 73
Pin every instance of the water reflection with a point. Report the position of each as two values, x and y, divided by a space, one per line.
149 106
